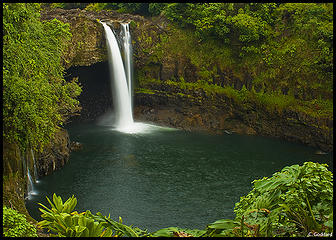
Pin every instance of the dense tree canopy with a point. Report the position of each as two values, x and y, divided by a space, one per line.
285 47
289 45
36 98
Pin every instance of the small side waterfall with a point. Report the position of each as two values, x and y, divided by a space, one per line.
35 168
30 183
120 89
27 160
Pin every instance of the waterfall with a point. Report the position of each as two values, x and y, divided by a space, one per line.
35 169
30 183
121 83
127 48
121 91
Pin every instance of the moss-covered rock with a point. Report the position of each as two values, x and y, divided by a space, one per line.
13 197
88 44
168 61
198 109
15 163
55 155
14 187
12 161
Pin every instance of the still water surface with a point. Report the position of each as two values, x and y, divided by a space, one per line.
166 177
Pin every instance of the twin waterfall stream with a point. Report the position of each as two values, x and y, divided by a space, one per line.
151 176
121 86
121 79
121 82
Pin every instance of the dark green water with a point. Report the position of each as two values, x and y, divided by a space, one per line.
166 178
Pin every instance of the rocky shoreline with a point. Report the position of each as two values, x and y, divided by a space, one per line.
210 115
53 157
161 104
169 105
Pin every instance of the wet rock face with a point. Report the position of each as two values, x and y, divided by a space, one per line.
189 112
55 155
88 45
12 161
297 127
96 97
199 112
14 188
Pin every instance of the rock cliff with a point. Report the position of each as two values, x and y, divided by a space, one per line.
160 55
87 45
16 162
219 114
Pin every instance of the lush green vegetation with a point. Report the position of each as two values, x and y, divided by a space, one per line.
36 98
271 102
283 46
64 222
16 225
296 201
283 51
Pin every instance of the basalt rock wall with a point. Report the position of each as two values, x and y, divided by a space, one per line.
53 157
88 45
220 115
16 162
163 104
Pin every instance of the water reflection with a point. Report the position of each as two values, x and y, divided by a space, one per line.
166 178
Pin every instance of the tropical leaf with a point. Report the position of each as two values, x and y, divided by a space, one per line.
224 224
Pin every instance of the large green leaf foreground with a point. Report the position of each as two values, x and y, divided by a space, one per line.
297 201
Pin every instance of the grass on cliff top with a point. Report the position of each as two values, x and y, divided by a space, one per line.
271 102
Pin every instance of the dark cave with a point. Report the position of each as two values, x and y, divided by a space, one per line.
96 97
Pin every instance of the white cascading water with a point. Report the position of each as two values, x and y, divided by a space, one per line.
122 84
127 47
35 169
30 183
120 91
30 187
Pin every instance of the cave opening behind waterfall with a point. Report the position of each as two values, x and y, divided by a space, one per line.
96 98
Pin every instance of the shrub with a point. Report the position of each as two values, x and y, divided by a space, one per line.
61 219
16 225
36 98
295 201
